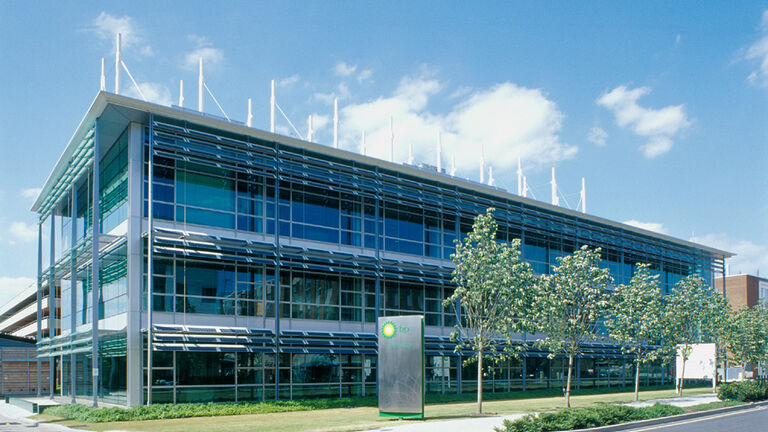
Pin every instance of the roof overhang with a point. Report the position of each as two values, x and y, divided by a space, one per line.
130 109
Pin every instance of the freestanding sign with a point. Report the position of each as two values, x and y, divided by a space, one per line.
401 366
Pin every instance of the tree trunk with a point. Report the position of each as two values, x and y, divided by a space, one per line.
682 379
637 379
568 383
479 382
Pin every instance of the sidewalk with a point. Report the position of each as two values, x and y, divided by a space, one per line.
13 418
486 424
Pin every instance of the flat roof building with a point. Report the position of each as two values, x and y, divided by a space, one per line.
270 259
744 290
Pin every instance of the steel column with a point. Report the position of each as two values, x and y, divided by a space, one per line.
95 280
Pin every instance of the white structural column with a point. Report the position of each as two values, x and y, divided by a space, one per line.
117 64
102 77
150 267
555 198
72 287
39 301
95 280
135 257
52 298
249 118
200 86
272 103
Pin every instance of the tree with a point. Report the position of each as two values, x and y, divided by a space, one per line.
695 313
636 320
569 305
490 280
747 336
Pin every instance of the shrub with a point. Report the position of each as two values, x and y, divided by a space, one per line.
581 418
743 391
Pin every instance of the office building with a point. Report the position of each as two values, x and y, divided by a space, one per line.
271 258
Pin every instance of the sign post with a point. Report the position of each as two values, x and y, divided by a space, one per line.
401 366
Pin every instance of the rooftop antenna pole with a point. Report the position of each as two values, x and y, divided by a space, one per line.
519 177
117 64
453 165
583 196
362 144
309 128
181 93
391 140
555 198
410 153
335 122
482 163
249 119
103 79
200 87
525 187
272 109
439 153
490 176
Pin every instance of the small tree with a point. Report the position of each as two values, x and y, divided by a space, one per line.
695 313
569 305
636 319
490 279
747 336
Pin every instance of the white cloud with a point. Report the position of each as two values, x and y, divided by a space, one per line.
658 125
10 287
750 257
758 51
288 81
509 120
319 122
211 58
341 92
344 70
650 226
364 75
31 193
22 231
106 26
597 136
154 92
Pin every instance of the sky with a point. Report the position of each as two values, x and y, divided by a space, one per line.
660 106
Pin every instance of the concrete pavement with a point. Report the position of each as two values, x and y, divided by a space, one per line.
486 424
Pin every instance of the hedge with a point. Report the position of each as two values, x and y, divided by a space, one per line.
743 391
581 418
183 410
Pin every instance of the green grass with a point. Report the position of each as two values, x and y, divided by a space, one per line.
366 417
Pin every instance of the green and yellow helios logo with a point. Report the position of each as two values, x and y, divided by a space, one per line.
388 330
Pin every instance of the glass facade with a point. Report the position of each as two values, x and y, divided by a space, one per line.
289 241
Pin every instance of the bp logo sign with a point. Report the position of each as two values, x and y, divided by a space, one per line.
388 330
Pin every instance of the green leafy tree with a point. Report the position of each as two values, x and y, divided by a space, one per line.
636 319
490 281
569 305
695 313
747 336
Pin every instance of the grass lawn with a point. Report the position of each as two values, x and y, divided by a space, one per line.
351 419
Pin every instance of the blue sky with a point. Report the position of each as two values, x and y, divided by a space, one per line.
661 106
